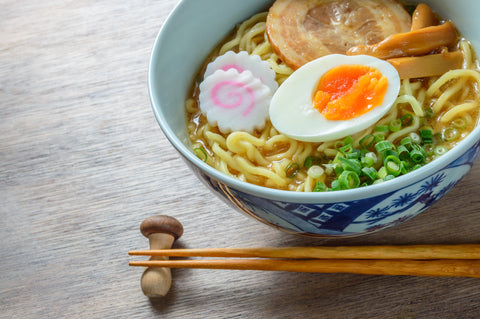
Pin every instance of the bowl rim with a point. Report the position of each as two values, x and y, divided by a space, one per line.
286 195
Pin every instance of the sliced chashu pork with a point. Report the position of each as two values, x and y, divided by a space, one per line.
303 30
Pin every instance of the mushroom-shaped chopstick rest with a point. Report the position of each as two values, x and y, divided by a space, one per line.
161 231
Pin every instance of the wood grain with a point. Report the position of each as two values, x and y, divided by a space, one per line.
83 162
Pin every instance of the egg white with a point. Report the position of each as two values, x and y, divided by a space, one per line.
292 112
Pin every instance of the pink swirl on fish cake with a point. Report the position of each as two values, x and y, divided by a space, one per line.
234 101
232 66
226 92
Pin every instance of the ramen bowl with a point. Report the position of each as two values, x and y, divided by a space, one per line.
192 30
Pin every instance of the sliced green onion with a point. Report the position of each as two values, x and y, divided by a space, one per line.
346 148
406 140
379 136
440 150
367 141
383 146
405 167
338 169
370 158
418 147
370 172
415 138
354 154
315 171
422 121
417 155
348 140
407 119
426 135
429 112
407 143
393 165
201 153
336 185
450 134
390 153
460 122
351 165
403 152
319 187
382 128
312 160
367 161
292 170
395 125
349 180
338 145
382 172
428 149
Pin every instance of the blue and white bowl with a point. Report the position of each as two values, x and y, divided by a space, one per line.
188 36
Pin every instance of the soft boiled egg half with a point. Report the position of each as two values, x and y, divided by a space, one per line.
333 97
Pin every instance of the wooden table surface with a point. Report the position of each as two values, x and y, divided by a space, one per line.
83 162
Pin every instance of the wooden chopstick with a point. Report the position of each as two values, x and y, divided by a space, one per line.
414 260
461 251
436 268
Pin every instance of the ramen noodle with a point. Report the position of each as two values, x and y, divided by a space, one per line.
445 107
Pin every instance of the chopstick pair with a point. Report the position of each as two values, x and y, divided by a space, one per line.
413 260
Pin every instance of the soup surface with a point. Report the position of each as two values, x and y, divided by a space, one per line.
429 115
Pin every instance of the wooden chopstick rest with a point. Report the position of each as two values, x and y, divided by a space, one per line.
161 231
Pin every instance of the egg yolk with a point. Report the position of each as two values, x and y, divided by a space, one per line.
348 91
